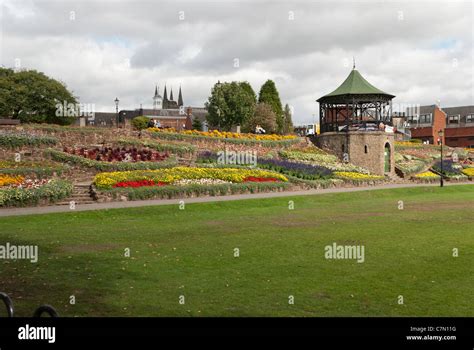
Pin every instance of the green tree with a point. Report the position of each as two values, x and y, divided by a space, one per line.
197 124
140 123
269 95
32 96
249 90
287 120
230 104
262 116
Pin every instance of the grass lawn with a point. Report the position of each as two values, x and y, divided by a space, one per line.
190 252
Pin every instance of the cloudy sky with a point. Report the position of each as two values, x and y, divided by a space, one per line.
420 51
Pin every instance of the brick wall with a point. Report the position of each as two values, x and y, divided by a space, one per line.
365 149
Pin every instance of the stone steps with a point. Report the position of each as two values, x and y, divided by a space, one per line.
81 194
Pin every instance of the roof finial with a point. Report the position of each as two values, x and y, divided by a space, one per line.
353 62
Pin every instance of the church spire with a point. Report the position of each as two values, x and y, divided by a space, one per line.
171 95
180 98
156 91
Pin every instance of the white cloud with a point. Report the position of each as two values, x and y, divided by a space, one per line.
122 49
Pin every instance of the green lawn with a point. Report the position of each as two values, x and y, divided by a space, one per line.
191 252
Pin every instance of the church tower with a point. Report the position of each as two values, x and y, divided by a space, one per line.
157 100
180 98
165 99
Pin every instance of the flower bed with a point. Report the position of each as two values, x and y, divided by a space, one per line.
353 176
408 167
51 191
308 157
189 190
171 175
180 149
140 183
426 176
187 182
469 172
321 159
228 134
10 140
284 141
109 154
40 170
7 180
108 166
450 168
300 170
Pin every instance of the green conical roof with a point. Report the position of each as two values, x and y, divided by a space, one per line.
355 84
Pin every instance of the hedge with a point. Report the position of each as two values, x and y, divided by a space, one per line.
19 140
109 166
169 192
50 192
184 137
180 150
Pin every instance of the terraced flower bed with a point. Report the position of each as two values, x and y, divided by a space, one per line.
16 140
8 180
320 158
357 177
99 165
37 169
109 154
299 170
35 192
172 175
469 172
180 149
228 137
426 176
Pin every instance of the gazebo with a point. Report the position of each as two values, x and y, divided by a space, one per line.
355 105
356 124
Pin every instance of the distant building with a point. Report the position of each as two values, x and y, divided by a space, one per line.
457 122
169 112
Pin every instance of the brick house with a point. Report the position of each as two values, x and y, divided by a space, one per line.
457 122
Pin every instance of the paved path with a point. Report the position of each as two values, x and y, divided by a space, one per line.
133 204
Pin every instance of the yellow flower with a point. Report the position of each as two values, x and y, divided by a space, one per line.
426 174
468 171
356 176
6 180
170 175
226 134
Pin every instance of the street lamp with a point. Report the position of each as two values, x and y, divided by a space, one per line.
116 110
441 134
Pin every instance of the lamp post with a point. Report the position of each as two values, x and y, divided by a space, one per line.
116 110
441 134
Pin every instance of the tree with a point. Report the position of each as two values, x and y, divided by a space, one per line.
262 116
140 122
197 124
287 120
32 96
230 104
249 90
269 94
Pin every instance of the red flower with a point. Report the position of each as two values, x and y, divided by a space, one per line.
139 183
260 179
